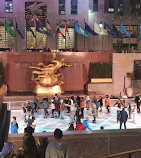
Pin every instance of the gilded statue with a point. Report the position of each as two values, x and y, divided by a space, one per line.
49 75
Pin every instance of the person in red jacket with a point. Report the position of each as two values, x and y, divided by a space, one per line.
79 126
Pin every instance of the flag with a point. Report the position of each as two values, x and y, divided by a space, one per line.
115 32
28 28
109 30
66 29
80 30
50 28
9 30
88 29
39 28
139 32
123 31
17 29
99 30
58 31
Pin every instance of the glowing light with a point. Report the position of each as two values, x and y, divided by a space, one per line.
48 90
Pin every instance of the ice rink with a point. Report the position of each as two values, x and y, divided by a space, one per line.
108 121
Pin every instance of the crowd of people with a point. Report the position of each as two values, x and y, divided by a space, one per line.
44 149
75 107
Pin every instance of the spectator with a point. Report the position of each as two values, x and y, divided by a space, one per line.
79 126
57 148
85 123
29 148
14 125
42 145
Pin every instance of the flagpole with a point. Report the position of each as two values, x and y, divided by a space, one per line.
75 37
56 35
26 37
129 36
16 37
138 33
84 37
5 33
93 36
46 34
65 36
35 34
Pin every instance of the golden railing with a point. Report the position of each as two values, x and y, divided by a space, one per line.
128 153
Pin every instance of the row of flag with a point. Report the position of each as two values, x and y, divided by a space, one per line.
83 31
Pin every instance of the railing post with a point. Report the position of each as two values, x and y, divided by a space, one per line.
129 155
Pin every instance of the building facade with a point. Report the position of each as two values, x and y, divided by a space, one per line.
66 12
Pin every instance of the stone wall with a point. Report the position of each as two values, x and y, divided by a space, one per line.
92 144
18 74
122 64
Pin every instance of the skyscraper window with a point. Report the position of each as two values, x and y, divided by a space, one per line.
74 6
109 6
95 5
61 7
8 6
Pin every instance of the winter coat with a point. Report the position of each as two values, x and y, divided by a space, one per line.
124 116
57 150
94 111
82 104
14 128
79 127
45 104
85 123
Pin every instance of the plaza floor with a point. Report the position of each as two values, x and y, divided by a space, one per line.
108 121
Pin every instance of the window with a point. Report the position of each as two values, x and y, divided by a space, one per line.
109 6
61 7
69 39
120 7
8 6
95 5
74 6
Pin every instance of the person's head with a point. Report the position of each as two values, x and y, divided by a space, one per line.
71 126
107 96
101 128
137 94
28 130
123 109
58 134
14 120
43 142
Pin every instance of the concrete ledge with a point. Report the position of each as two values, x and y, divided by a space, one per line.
92 144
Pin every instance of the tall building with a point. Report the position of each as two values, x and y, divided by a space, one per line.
66 12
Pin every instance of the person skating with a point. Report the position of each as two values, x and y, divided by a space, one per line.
101 103
107 104
94 112
123 118
137 101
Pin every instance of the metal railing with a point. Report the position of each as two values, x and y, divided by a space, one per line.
128 153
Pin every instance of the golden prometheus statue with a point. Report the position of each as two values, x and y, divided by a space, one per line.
49 78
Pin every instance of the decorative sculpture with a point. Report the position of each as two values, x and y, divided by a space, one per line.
49 78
